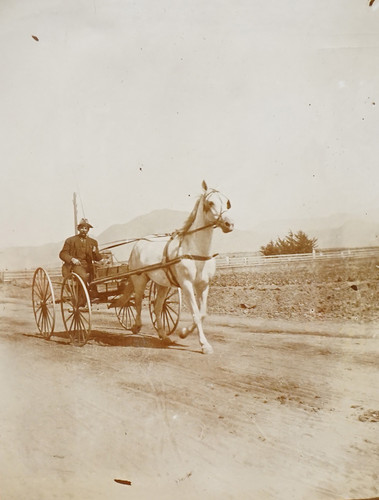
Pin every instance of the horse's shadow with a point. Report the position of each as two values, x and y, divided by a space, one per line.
105 339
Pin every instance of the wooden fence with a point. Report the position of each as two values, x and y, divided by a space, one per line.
254 260
26 274
226 262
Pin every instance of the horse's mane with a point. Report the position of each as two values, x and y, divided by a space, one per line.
190 219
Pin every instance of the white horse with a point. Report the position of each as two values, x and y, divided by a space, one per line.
184 260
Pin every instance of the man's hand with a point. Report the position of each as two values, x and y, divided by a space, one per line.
76 262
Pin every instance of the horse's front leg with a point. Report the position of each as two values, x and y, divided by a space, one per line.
190 297
201 300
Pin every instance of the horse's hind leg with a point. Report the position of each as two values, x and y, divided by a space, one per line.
124 298
139 284
185 331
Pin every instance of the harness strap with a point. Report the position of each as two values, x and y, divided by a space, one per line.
197 257
167 263
170 275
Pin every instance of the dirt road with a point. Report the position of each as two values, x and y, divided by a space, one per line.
280 411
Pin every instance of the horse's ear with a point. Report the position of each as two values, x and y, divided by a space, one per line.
228 205
204 186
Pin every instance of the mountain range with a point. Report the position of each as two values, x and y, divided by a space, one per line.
336 231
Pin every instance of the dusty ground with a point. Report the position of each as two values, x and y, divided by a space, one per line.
286 408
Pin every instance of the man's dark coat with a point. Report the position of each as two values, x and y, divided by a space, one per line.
86 252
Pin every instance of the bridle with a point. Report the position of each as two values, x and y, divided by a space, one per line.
207 208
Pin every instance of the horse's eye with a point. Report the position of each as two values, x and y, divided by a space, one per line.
211 204
228 205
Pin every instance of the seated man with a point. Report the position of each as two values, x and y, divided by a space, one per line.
79 252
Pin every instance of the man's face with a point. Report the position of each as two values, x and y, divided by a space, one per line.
83 230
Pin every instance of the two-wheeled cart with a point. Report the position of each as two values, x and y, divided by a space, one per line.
76 300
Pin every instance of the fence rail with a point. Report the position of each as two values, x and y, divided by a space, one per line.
230 262
260 260
27 274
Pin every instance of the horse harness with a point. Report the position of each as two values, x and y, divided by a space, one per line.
167 263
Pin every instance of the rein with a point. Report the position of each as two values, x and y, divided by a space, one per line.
153 267
177 232
134 240
166 262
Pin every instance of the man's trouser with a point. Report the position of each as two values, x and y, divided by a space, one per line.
83 273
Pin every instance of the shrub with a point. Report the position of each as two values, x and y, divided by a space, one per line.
291 244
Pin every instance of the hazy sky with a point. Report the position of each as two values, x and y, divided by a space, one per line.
133 103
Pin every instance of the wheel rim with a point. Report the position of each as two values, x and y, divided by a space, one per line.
127 314
76 313
170 309
43 302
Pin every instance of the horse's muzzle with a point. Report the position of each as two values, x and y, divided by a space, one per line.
226 225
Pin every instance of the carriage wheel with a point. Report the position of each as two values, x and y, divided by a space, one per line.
43 302
127 314
170 310
76 309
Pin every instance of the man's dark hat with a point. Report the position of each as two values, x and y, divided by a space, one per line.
84 222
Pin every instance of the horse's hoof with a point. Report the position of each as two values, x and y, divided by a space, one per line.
207 349
166 341
183 333
136 329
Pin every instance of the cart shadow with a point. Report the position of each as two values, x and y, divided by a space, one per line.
106 339
63 335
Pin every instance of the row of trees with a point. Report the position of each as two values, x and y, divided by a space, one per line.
293 243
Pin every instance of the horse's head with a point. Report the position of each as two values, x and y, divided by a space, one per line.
215 206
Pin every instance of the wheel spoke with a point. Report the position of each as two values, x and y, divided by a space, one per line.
69 316
131 317
127 314
81 322
39 290
42 324
82 335
43 302
47 323
172 292
72 322
167 314
71 291
170 312
77 322
44 284
48 295
40 315
50 316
